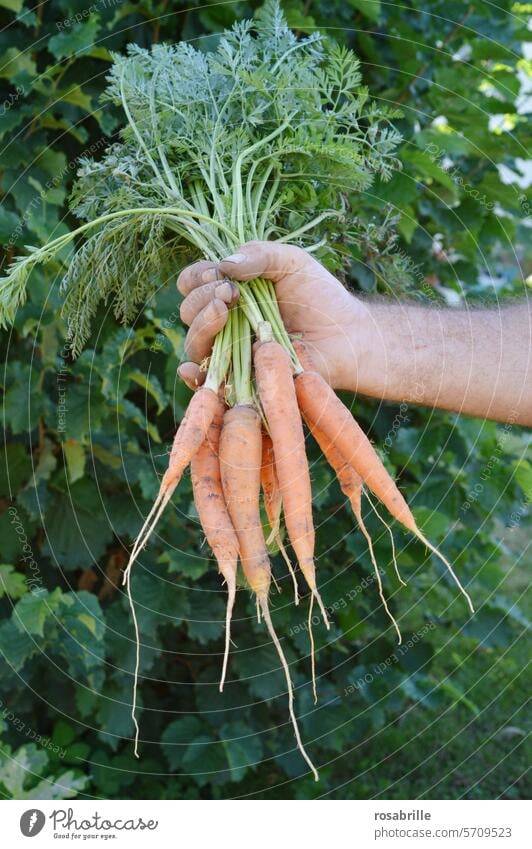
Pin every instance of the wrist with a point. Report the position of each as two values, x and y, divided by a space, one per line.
353 361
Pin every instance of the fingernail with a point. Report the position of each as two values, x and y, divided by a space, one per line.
224 291
236 258
211 312
209 275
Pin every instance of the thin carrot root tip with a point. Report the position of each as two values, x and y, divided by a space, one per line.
231 593
275 640
312 650
450 569
137 665
321 606
378 577
288 562
394 553
158 508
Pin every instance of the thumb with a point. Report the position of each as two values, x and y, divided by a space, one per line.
272 260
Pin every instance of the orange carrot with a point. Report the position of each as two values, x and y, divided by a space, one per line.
240 465
351 485
275 385
240 462
273 503
214 517
321 408
350 481
187 441
189 437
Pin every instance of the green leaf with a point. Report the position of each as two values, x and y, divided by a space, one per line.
435 525
16 771
14 62
205 760
9 222
458 696
523 474
370 8
243 748
77 531
12 583
75 458
15 468
423 164
151 384
15 647
67 785
75 40
177 736
24 403
32 611
131 411
490 625
12 5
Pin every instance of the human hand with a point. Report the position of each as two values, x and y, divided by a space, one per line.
314 305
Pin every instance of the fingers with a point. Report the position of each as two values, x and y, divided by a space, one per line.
272 260
204 327
198 298
196 274
192 375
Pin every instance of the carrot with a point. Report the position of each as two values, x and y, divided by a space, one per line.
350 481
275 385
351 485
214 517
240 465
189 437
273 503
321 408
187 441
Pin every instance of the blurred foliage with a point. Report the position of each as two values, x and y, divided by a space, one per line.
85 439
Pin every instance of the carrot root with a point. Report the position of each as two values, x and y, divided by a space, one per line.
275 640
321 606
137 665
231 594
450 569
367 536
288 562
141 541
394 553
312 650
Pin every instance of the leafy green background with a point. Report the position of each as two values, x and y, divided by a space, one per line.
84 442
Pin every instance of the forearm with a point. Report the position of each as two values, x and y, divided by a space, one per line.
477 362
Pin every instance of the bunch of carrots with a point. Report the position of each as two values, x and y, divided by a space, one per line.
268 136
243 432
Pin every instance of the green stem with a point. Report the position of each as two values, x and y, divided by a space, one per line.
220 359
139 138
269 308
245 356
290 237
237 217
170 211
250 307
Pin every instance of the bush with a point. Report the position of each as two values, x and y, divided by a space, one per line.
84 437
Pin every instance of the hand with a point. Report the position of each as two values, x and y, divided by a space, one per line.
314 306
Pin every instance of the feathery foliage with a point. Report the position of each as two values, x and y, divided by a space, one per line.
268 136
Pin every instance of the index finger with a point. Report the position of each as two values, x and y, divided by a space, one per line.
204 271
